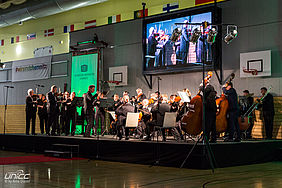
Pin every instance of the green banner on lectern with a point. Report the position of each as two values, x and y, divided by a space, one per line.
83 73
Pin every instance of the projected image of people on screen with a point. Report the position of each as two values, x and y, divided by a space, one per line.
163 53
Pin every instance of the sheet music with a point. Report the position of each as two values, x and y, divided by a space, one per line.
184 96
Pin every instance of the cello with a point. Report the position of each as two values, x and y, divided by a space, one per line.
191 123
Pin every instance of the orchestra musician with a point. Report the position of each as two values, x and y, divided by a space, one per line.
121 113
30 109
210 112
89 101
72 113
158 112
140 96
267 112
100 114
146 115
184 43
64 110
244 108
42 112
52 110
152 47
233 111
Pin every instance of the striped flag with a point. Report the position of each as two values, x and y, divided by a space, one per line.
202 2
31 36
170 7
139 13
90 24
2 42
114 19
13 39
48 32
68 28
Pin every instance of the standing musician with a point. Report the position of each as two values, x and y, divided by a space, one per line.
244 108
72 113
42 112
30 110
210 112
64 112
121 113
89 101
100 114
52 110
233 111
267 112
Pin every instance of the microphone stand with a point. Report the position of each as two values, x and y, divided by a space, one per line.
5 109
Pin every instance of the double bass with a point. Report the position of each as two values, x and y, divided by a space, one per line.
222 108
192 121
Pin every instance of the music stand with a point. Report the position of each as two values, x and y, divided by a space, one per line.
132 120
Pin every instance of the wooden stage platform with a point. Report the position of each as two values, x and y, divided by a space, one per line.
170 153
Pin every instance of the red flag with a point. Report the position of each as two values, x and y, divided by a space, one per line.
200 2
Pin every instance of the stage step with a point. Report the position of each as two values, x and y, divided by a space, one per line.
63 150
59 154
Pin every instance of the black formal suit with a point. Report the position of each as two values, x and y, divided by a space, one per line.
184 45
152 47
268 114
121 113
158 114
88 102
42 114
233 111
210 112
30 109
53 113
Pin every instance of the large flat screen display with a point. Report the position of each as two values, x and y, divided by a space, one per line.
163 55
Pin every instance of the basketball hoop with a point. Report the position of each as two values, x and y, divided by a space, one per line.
113 84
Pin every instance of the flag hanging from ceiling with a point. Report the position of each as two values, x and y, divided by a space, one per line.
13 39
68 28
139 13
90 24
202 2
31 36
48 32
2 42
114 19
170 7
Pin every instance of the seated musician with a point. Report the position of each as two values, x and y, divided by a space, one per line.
140 95
158 112
121 113
145 111
245 105
173 103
